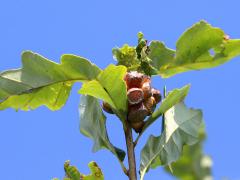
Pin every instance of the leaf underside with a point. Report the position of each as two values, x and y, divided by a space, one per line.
93 125
181 127
193 164
173 97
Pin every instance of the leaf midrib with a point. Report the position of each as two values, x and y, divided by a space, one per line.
186 65
42 86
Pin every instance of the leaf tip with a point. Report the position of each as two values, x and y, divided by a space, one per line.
188 86
26 54
140 35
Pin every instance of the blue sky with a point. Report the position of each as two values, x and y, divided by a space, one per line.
35 144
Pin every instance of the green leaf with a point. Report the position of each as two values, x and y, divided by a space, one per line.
126 56
197 41
201 46
93 125
181 127
43 82
96 172
72 172
160 55
175 96
193 164
111 88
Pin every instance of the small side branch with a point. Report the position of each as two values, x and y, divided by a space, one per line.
124 168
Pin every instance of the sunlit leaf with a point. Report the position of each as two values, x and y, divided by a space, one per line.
72 172
109 87
201 46
126 56
96 172
160 55
43 82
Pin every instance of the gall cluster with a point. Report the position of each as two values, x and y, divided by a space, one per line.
142 99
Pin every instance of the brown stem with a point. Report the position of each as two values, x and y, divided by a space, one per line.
131 154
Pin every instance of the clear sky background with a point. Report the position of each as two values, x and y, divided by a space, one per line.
35 144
